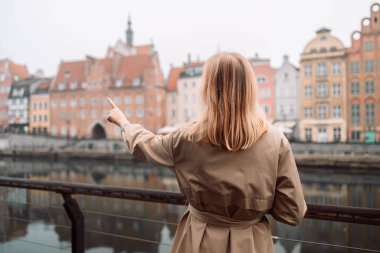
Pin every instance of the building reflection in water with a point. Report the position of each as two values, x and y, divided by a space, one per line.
126 218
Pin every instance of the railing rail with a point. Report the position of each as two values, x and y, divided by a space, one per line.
358 215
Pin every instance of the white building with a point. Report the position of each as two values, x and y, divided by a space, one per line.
287 98
183 98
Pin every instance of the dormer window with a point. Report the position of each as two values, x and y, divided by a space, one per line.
323 50
67 74
136 81
62 86
84 85
74 85
323 37
18 92
333 49
119 82
313 50
2 78
261 79
16 78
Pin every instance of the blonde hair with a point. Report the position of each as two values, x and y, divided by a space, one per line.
232 118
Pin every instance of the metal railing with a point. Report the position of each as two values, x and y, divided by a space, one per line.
358 215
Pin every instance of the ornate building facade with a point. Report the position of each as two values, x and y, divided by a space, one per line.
130 75
323 89
363 80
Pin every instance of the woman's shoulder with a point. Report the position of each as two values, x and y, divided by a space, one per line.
274 135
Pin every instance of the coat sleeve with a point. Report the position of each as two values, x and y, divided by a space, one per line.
289 205
147 146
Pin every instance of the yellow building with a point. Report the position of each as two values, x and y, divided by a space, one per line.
39 110
323 89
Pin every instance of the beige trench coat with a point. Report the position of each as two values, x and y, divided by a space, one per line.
228 192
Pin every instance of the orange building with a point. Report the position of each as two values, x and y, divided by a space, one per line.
265 75
363 80
322 89
39 109
9 72
130 75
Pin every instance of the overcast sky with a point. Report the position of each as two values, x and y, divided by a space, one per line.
41 33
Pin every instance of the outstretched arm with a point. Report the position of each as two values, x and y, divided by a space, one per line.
142 143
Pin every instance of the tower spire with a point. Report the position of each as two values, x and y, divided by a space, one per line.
129 32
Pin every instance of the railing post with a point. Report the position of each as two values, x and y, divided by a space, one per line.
77 223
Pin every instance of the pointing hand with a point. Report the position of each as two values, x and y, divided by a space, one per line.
115 115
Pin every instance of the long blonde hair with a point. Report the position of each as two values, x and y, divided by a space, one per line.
232 118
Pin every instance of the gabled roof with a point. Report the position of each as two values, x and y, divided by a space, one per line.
70 71
131 67
15 69
173 78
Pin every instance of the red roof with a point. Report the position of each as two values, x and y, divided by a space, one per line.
144 49
173 78
133 66
15 69
44 86
74 72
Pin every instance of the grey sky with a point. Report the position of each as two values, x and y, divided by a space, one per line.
41 33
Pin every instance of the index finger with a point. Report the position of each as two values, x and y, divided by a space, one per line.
111 102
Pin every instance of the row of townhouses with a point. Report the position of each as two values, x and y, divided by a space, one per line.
333 96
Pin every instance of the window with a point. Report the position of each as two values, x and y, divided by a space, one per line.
173 113
308 134
337 112
63 115
336 69
322 90
323 50
370 114
355 88
337 134
66 74
82 114
82 102
368 46
45 118
136 81
140 113
308 91
73 85
73 131
307 71
73 102
355 135
336 90
184 85
139 99
119 82
355 114
62 86
53 104
63 131
54 130
321 69
368 66
34 118
291 108
261 79
354 67
128 100
94 101
63 103
128 113
73 115
172 98
322 111
266 109
308 112
265 93
369 87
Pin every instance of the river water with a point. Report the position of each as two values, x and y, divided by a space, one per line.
35 221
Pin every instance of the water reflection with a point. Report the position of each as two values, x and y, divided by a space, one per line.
39 217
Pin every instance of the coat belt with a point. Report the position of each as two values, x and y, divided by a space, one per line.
221 221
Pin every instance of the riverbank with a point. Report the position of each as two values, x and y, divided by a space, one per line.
304 160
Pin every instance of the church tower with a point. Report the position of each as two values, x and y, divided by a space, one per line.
129 32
